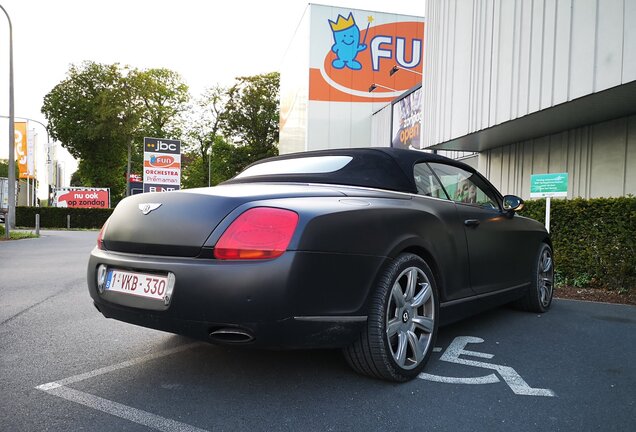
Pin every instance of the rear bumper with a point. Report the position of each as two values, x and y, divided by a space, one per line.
299 300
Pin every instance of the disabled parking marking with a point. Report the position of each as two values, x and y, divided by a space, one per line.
509 375
60 389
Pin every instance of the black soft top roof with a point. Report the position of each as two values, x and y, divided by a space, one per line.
377 167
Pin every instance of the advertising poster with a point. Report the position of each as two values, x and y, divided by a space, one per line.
406 126
4 193
31 154
81 197
162 165
22 150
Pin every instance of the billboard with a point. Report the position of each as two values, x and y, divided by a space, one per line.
337 73
406 122
162 165
351 50
81 197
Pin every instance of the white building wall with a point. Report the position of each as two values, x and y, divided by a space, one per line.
294 90
600 160
492 61
381 128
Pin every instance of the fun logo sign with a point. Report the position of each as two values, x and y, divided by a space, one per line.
161 160
359 58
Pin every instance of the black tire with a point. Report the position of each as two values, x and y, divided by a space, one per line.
398 339
539 296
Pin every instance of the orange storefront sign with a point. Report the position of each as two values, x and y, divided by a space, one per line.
346 76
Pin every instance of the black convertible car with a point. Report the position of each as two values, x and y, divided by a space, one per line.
368 250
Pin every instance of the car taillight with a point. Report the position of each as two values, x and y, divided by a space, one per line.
259 233
100 237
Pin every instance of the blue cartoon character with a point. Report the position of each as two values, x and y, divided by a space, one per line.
346 36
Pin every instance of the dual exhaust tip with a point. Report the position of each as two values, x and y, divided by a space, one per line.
231 335
225 335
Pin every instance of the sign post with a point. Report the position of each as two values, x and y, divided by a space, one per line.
548 186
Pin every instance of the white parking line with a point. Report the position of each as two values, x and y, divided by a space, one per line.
122 365
60 389
122 411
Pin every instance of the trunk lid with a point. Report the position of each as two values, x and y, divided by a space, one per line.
178 223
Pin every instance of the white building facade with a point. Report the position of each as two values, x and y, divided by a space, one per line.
535 86
530 86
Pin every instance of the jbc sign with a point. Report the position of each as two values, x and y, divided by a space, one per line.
162 165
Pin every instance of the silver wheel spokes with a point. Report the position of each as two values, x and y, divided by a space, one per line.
410 318
546 278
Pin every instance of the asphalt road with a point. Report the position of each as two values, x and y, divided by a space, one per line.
65 367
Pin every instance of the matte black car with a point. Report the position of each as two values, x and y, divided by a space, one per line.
368 250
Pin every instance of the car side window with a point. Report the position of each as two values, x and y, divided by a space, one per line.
465 187
426 182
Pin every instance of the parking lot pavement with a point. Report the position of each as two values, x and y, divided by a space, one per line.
65 367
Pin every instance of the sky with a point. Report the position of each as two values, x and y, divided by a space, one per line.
207 42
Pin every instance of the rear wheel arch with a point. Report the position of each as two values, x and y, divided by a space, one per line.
414 247
429 258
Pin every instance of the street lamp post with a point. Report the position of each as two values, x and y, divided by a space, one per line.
11 214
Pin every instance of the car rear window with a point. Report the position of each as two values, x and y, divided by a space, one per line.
308 165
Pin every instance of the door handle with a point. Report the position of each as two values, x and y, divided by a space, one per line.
471 222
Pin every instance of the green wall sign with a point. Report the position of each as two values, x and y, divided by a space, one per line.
549 185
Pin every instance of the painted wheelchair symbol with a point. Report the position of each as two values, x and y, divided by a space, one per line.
509 375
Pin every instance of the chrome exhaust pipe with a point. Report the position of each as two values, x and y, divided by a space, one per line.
231 335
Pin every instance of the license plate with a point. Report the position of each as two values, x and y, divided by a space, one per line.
139 284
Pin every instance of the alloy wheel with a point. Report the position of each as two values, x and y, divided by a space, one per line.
546 277
410 318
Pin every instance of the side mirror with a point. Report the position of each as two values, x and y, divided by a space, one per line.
512 203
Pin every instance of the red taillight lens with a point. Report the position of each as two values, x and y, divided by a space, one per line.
259 233
100 237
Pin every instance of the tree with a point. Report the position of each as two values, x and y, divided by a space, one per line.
76 180
203 132
234 127
159 98
4 168
101 112
89 112
251 115
228 160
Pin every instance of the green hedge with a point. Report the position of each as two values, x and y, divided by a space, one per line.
594 240
56 217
